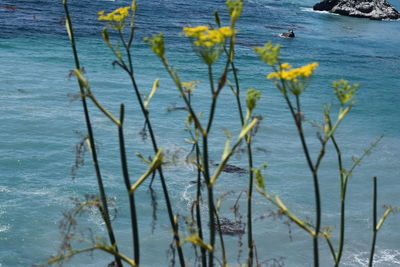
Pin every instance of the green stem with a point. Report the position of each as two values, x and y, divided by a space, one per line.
374 220
160 171
214 99
224 261
155 147
103 197
343 187
198 203
127 49
210 200
132 205
298 120
250 242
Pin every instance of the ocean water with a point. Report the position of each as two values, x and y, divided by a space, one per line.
41 124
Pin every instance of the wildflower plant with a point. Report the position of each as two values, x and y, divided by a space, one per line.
208 43
205 232
117 19
295 80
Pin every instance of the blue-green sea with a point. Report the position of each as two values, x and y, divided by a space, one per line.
41 124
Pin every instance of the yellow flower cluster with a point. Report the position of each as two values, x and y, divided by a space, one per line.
287 73
205 37
190 86
117 15
235 8
116 19
156 43
269 54
344 91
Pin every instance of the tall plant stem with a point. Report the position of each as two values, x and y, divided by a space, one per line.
103 198
129 70
298 120
198 203
343 189
374 220
214 99
210 200
160 171
127 49
212 211
250 242
132 205
224 261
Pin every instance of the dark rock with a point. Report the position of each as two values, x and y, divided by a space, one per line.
233 169
372 9
173 108
229 227
10 7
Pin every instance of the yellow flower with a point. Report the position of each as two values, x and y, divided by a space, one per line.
116 19
203 36
286 73
269 54
344 91
285 66
207 42
188 87
235 8
156 43
293 79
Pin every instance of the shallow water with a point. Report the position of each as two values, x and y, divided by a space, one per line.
41 126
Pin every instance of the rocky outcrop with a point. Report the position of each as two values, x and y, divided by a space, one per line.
372 9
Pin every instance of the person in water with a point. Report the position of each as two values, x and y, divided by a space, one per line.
289 34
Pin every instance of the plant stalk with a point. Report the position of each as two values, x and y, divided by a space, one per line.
132 205
374 220
103 198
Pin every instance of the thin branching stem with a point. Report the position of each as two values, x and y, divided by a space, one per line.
128 50
214 99
145 113
250 242
160 171
343 187
224 261
297 116
103 197
198 206
374 221
132 205
331 248
210 200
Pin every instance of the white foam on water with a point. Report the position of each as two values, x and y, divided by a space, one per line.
95 217
385 257
4 189
186 195
4 228
309 9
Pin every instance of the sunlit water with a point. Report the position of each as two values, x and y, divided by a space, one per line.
40 127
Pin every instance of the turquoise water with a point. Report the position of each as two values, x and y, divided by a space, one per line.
41 126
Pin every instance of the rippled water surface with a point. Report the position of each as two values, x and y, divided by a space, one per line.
41 124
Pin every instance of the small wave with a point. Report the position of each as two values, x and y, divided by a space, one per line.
4 189
309 9
186 196
383 257
4 228
40 192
